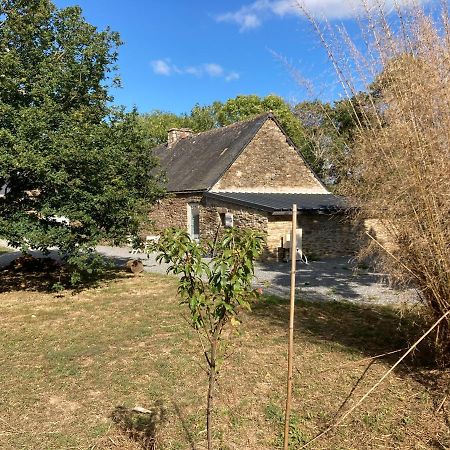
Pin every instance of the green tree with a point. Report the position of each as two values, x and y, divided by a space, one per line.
75 170
328 132
214 292
156 124
204 118
246 106
240 108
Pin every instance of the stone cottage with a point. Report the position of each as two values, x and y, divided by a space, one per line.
248 174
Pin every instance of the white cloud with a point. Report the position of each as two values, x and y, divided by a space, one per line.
244 18
193 71
213 70
232 76
167 68
162 67
253 15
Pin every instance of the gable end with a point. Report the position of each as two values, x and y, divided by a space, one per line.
270 163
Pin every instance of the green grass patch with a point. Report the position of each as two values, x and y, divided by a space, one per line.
70 362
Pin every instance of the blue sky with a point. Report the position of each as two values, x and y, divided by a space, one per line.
177 53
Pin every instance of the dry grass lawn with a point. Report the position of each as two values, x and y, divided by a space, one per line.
68 361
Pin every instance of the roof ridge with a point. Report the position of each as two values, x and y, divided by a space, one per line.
231 125
269 114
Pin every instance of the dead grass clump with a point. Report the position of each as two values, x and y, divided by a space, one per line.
398 168
140 425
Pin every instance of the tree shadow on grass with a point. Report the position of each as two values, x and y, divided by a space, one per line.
370 330
366 330
184 425
39 273
141 425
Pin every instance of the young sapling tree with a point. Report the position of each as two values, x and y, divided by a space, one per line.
214 291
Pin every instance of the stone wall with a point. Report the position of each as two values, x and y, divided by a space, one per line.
329 235
277 228
324 235
242 217
171 212
269 164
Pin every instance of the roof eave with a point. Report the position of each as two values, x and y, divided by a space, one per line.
240 202
188 191
324 210
274 211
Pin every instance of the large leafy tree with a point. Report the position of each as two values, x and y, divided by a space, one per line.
75 171
156 124
329 131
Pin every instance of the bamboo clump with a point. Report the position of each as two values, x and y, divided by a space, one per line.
396 76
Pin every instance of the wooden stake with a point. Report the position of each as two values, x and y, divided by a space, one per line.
291 326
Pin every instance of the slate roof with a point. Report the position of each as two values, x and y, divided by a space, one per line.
279 203
197 162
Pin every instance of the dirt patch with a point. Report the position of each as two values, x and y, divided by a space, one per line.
63 405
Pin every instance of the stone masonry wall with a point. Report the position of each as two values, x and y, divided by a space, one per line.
269 164
277 229
242 217
326 236
172 212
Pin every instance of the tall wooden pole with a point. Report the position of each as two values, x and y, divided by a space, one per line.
291 326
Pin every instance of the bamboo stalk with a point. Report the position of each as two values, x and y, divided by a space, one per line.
291 326
441 404
360 361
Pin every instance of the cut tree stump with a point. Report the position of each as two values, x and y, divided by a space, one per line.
135 266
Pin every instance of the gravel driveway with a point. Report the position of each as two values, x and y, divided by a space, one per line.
334 279
327 280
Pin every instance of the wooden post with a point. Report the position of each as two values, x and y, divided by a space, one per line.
291 326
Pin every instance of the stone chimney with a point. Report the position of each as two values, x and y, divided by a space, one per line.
175 134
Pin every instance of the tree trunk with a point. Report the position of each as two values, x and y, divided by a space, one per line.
212 382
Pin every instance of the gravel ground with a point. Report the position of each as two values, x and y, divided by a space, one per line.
334 279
